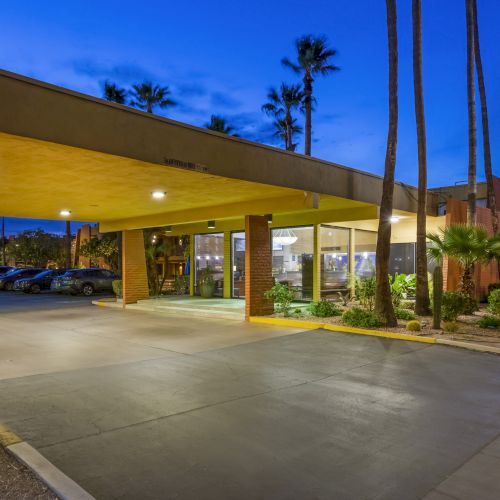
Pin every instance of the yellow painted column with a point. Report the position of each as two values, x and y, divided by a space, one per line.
317 263
352 259
193 264
227 265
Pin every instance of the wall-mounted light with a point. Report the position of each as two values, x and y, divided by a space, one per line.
394 219
65 213
158 195
168 229
269 218
211 224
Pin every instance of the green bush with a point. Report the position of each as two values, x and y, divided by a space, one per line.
489 322
493 286
408 304
450 326
365 289
494 302
403 313
402 285
324 309
361 318
282 296
117 288
453 304
413 326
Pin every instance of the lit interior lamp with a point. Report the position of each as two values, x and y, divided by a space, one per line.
65 213
211 224
269 218
158 195
285 237
168 229
394 219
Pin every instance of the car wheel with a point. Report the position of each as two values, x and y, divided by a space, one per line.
87 289
35 289
8 286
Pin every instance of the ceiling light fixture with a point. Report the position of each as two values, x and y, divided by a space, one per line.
285 237
269 218
394 219
65 213
211 224
168 229
158 195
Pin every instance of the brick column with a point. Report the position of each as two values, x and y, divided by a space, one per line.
134 272
258 266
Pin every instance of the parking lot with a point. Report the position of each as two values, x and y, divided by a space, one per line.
141 405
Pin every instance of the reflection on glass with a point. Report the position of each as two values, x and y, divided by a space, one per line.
209 252
293 259
366 246
334 242
238 264
402 258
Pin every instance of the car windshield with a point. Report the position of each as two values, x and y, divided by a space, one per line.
71 274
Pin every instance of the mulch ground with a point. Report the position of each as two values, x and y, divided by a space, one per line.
17 482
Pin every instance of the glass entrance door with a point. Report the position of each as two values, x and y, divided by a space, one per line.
238 265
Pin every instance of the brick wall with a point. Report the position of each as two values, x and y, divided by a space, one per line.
134 273
258 266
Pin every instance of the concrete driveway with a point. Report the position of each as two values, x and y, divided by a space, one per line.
140 405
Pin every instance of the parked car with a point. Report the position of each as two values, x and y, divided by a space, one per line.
39 282
6 269
85 281
7 281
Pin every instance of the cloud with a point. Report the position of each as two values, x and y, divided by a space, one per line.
191 90
124 73
223 100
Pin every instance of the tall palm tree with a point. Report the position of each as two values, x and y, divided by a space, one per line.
313 58
286 131
113 93
147 96
486 127
281 105
218 123
422 302
471 108
383 302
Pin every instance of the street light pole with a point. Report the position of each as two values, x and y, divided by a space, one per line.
3 241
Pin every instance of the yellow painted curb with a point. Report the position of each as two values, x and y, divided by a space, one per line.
298 323
7 437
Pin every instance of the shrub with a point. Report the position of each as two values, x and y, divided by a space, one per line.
365 289
297 311
361 318
402 285
453 304
450 326
489 322
413 326
181 285
117 288
493 286
403 313
282 296
408 304
494 302
324 309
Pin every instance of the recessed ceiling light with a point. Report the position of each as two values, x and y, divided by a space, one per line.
211 224
158 195
168 229
394 219
65 213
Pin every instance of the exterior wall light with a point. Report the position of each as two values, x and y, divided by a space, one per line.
211 224
158 195
168 229
269 218
394 219
65 213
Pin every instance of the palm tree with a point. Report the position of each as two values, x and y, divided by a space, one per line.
313 58
285 130
147 96
422 302
113 93
486 128
471 108
281 105
468 244
67 245
383 302
218 123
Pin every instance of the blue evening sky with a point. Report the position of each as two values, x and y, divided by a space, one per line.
222 56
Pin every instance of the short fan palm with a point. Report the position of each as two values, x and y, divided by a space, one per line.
147 96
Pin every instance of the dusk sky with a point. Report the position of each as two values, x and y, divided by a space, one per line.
222 56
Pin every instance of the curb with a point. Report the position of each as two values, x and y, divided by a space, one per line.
311 325
63 486
107 303
469 345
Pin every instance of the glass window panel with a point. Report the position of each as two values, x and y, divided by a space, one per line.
293 259
209 252
366 246
334 243
238 264
402 258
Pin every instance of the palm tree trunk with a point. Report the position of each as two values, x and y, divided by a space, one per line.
486 127
422 303
3 241
383 302
288 139
68 245
471 105
308 112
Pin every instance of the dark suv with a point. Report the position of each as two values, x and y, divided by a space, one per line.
39 282
7 281
6 269
86 281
